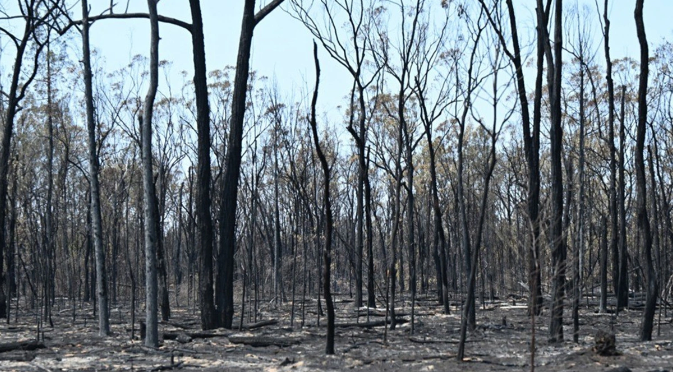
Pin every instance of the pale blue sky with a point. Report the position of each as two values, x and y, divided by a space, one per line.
282 48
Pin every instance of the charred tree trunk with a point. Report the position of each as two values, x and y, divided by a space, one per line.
558 247
224 285
614 216
150 200
203 178
16 93
623 280
641 183
329 348
96 219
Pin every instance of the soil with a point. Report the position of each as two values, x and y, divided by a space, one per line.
501 341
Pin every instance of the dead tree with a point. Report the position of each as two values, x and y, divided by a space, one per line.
641 182
224 286
558 246
36 15
614 216
96 219
150 200
203 179
329 348
531 137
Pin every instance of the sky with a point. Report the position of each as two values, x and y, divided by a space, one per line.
282 47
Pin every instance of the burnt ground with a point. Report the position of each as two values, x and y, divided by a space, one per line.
497 345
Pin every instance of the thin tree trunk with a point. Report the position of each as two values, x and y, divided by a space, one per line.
641 183
558 247
277 247
150 199
623 280
531 136
604 266
14 96
96 219
614 216
371 294
329 348
579 246
164 302
49 217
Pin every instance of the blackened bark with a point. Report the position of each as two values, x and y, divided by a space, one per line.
49 284
150 200
579 243
203 179
531 139
224 296
96 220
371 294
623 280
604 266
277 247
614 217
359 229
329 348
558 246
164 301
641 183
14 96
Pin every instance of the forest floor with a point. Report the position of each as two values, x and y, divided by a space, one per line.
500 343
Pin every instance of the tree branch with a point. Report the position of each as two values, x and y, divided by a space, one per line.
164 19
266 10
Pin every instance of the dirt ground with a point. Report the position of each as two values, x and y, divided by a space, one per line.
501 342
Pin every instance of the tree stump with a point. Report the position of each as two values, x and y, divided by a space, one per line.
143 330
605 344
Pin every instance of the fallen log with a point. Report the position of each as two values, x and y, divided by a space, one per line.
18 356
21 345
263 341
371 324
433 341
184 337
261 324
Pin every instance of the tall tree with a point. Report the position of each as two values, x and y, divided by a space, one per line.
203 178
96 218
641 182
36 14
431 54
351 47
329 224
531 135
493 133
150 199
472 84
224 296
614 217
558 247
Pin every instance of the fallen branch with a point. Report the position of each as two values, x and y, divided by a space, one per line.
261 324
185 337
375 323
432 341
21 345
261 341
18 356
